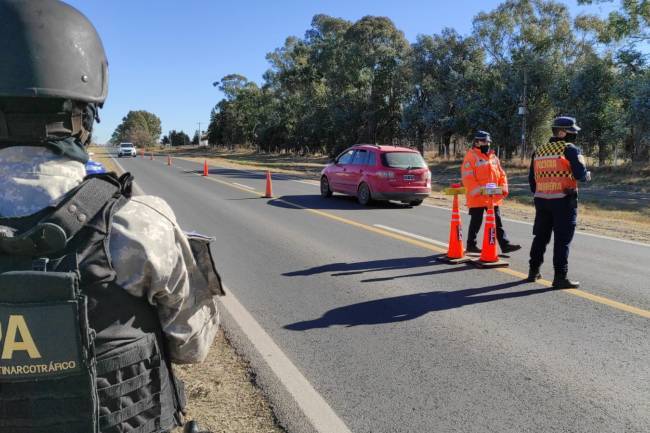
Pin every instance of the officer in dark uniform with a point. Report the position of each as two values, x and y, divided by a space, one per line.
555 170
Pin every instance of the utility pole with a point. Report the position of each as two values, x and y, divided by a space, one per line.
199 143
523 112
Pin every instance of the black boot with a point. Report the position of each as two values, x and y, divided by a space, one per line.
533 274
472 248
560 281
508 248
193 427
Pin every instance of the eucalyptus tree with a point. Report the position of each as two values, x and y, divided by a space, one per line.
529 44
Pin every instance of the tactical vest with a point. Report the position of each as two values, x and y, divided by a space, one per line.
553 174
79 354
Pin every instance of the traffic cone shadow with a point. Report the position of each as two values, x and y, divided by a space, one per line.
489 256
269 186
455 250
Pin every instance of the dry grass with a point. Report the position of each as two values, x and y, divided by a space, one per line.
221 394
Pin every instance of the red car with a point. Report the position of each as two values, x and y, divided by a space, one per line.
372 172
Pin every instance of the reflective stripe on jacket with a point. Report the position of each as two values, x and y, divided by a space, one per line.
479 169
553 175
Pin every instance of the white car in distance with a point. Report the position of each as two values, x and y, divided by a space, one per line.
126 149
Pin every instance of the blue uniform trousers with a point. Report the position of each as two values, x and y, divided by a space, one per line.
558 216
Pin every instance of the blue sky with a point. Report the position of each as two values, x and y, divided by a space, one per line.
164 55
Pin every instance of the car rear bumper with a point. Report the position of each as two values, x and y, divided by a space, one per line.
400 196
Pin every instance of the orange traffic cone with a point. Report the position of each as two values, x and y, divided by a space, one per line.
169 160
205 168
489 257
269 186
455 251
151 156
142 152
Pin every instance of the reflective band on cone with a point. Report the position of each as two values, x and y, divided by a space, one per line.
489 252
455 249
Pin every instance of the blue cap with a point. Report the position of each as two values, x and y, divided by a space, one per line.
567 123
483 135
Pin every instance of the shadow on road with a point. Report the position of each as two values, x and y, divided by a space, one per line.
337 202
343 269
409 307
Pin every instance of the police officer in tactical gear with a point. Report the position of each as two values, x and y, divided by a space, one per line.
99 290
555 170
480 167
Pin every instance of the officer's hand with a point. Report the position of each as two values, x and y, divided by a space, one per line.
569 191
588 177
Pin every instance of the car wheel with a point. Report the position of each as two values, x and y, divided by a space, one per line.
325 190
363 195
415 202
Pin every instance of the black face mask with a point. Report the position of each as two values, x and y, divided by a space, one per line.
571 137
484 148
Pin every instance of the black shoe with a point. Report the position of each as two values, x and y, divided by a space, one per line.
533 275
560 281
508 248
472 248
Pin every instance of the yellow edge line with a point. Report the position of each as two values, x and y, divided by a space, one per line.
576 292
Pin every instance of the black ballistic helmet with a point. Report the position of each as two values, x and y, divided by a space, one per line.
483 135
48 49
567 123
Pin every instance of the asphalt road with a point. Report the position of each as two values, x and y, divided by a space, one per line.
396 341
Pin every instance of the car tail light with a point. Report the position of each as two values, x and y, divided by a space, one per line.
386 174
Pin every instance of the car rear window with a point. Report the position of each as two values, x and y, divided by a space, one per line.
403 160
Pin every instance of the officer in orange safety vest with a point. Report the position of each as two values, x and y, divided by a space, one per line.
555 170
480 167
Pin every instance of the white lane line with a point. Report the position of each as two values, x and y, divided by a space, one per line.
412 235
308 182
243 186
320 414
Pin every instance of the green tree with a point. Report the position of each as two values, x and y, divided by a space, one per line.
594 99
446 73
178 138
630 23
529 45
141 128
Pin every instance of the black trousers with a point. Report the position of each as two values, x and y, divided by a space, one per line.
476 214
558 216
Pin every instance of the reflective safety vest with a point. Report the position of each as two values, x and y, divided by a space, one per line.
478 170
79 354
553 174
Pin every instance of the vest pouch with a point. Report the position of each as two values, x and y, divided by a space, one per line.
200 246
131 388
47 368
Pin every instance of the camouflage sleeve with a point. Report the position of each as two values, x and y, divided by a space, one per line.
153 259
